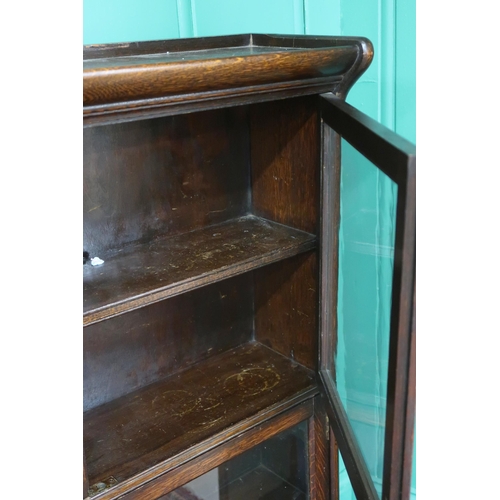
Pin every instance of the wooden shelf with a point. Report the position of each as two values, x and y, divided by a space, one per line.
142 274
203 405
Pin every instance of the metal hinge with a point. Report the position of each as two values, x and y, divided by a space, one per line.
327 428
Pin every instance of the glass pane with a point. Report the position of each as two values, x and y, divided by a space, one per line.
276 469
345 488
368 216
413 486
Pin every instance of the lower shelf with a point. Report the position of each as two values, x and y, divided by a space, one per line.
189 412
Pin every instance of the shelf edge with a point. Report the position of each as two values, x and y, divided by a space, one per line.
127 305
207 445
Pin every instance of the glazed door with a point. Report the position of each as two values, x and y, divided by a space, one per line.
367 353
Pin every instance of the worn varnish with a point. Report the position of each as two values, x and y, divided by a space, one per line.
146 78
132 350
132 81
241 443
137 431
135 77
142 274
211 179
165 176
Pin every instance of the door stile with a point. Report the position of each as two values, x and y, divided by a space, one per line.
319 454
329 244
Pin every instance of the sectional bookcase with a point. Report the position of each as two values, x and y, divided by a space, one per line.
210 188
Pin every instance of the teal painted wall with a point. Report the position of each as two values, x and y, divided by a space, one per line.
386 92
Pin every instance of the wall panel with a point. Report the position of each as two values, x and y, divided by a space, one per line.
110 21
226 17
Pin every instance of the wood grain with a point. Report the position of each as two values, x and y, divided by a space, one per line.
329 260
163 177
319 453
132 350
131 79
172 480
138 431
286 308
268 67
169 159
121 112
285 159
143 274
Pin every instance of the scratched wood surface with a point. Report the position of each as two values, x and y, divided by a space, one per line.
285 158
142 274
132 350
166 176
133 433
229 450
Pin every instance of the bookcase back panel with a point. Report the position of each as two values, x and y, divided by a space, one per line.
163 176
127 352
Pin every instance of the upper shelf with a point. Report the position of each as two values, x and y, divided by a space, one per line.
145 273
134 80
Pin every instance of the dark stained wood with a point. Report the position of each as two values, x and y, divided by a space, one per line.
202 464
162 177
297 65
330 224
85 478
204 101
286 308
147 427
285 159
134 78
142 274
400 410
130 351
319 453
334 467
395 157
385 149
183 152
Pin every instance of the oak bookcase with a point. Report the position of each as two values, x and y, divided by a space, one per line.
211 192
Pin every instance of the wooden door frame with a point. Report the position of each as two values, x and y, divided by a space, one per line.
396 157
